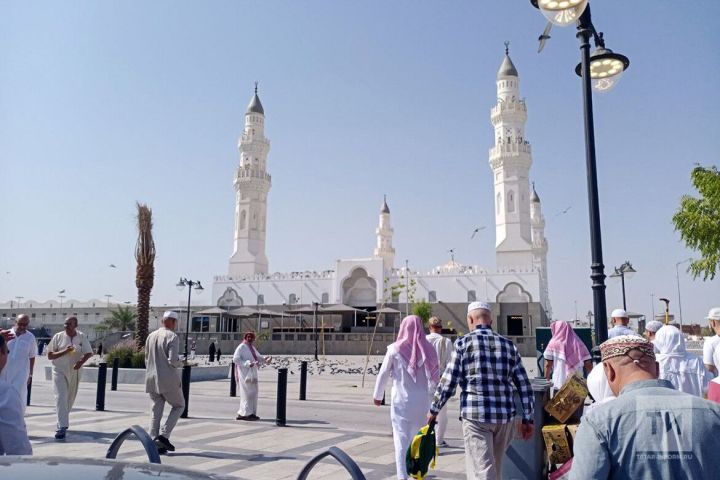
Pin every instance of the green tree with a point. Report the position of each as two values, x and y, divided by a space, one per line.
122 319
422 309
698 221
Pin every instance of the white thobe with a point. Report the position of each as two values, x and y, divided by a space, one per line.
247 378
17 370
66 379
13 433
410 403
443 347
709 347
686 372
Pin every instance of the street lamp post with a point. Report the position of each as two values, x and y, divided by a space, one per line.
600 70
677 277
184 282
621 271
315 307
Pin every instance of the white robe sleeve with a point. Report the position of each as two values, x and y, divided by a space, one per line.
13 433
382 378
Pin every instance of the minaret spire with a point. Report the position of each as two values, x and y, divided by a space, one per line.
384 234
507 49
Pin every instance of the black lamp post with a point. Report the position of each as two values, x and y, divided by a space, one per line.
621 271
600 70
315 307
184 282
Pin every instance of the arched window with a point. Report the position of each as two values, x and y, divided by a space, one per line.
243 219
511 201
325 298
471 296
498 202
432 296
261 299
292 299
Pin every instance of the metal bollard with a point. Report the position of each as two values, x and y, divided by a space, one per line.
303 379
186 389
102 381
29 392
233 381
280 416
114 377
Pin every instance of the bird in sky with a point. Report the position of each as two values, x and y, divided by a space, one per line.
563 212
545 36
112 265
478 229
62 291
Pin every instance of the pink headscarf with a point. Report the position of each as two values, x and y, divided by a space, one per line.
565 344
415 349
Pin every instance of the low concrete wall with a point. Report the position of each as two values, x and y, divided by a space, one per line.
137 375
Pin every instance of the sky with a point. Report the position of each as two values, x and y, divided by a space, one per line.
107 103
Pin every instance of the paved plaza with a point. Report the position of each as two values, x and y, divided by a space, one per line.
338 412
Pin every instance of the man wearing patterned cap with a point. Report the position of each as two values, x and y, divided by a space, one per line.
162 380
651 430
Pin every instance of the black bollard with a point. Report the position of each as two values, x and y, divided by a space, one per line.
102 381
233 381
186 389
116 365
29 387
280 416
303 379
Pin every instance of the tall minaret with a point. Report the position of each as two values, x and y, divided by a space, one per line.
252 183
510 161
384 232
539 247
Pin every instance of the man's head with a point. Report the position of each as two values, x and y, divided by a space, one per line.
714 319
619 317
627 359
70 325
249 337
651 329
21 324
479 313
3 352
435 324
170 320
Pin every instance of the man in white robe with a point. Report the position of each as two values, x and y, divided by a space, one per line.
247 360
68 351
684 370
21 361
444 347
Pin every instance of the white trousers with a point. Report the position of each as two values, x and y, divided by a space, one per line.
442 422
404 430
65 388
485 446
176 401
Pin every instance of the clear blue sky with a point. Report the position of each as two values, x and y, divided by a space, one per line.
105 103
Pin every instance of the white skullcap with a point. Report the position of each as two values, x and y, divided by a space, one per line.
170 314
619 313
714 314
479 306
653 326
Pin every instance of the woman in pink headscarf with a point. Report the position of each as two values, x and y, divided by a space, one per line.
565 354
412 362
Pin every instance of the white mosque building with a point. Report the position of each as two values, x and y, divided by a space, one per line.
517 287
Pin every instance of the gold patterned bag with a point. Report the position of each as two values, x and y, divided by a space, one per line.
556 443
568 399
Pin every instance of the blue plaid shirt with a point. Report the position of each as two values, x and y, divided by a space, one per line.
486 366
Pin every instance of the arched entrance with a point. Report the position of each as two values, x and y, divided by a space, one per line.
359 289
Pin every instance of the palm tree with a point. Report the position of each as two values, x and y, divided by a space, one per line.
122 319
145 271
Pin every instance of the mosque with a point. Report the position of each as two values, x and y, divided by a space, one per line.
517 287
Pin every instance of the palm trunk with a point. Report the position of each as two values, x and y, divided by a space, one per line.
145 272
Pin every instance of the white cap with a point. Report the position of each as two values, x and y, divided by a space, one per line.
714 314
479 306
170 314
653 326
619 313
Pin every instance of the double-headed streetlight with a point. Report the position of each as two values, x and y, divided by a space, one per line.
624 270
184 282
600 71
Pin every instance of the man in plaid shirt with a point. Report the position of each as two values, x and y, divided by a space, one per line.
486 366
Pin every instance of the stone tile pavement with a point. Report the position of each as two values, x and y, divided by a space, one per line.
338 412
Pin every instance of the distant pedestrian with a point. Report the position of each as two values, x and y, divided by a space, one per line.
192 350
247 360
100 349
13 432
488 368
68 350
443 346
211 352
162 380
685 371
412 363
651 430
710 345
217 357
20 365
620 320
565 354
